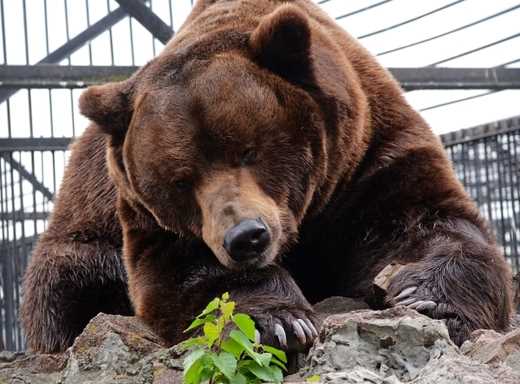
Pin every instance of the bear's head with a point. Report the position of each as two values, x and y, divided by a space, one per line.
223 139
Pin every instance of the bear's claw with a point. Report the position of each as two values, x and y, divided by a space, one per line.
257 336
404 298
280 335
405 293
303 329
421 305
309 329
289 331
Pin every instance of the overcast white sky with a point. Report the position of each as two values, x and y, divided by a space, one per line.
443 119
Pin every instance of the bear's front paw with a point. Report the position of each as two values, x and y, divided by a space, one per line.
291 329
426 299
423 300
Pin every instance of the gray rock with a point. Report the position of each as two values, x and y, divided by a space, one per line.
337 304
30 368
117 349
490 347
111 349
396 342
461 370
394 346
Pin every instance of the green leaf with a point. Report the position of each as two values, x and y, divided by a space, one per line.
238 379
195 324
245 324
206 374
225 296
192 342
277 374
313 379
212 333
211 307
227 309
280 355
200 321
231 346
193 366
265 359
221 323
226 363
242 339
243 368
269 374
277 362
192 358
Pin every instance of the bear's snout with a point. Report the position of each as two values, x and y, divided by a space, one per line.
247 241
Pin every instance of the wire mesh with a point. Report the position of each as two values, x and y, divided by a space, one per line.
488 165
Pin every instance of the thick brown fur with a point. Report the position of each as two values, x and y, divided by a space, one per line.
266 109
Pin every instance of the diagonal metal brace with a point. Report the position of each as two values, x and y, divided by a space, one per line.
37 185
153 23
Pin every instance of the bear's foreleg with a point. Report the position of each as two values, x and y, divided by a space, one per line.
66 284
171 280
460 277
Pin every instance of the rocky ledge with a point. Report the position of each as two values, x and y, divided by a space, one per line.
356 345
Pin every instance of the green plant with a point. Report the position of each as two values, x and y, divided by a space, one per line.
227 351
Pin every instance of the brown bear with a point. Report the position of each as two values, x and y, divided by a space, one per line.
264 152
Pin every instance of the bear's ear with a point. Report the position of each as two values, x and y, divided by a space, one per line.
109 106
282 43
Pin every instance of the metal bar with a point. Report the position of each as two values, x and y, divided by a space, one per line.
7 289
364 9
35 144
457 78
481 131
459 55
24 215
451 31
24 173
413 19
4 257
458 100
148 19
29 241
53 76
11 344
56 76
513 198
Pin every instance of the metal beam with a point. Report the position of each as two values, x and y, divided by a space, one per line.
457 78
495 128
35 144
153 23
57 76
76 43
49 76
37 185
23 216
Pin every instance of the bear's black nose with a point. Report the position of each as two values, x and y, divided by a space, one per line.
247 240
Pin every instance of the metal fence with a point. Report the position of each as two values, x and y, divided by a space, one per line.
28 180
487 161
50 49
